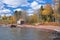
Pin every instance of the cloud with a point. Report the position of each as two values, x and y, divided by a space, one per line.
3 10
18 9
15 3
41 1
12 3
30 11
35 5
24 4
1 5
6 12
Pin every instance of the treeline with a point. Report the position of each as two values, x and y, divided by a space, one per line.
46 13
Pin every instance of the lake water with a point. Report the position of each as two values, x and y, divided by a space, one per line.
24 34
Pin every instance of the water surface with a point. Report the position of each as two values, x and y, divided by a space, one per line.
24 34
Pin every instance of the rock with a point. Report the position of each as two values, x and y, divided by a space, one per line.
13 26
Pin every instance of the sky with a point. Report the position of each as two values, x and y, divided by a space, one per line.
9 6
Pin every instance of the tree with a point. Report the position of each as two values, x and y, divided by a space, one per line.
12 19
47 13
57 13
40 13
17 15
33 18
57 10
4 17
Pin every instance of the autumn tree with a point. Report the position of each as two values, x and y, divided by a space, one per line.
57 13
12 19
33 18
40 13
56 10
47 13
4 17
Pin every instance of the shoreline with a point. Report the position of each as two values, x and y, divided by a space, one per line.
44 27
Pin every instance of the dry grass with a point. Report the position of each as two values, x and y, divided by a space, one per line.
51 23
47 23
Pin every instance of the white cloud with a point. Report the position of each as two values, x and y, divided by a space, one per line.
25 3
30 11
15 3
1 5
6 12
2 14
18 9
41 1
35 5
3 10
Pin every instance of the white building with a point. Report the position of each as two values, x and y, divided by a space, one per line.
20 21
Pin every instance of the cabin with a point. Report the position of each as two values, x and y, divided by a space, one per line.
20 21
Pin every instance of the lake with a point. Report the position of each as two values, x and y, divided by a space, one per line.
25 34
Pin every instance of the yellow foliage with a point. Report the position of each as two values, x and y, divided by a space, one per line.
56 15
4 17
12 19
33 18
47 10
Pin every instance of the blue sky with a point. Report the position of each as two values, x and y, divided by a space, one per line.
9 6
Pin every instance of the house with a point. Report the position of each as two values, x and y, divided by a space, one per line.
20 21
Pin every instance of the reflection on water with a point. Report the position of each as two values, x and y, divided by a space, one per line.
24 34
